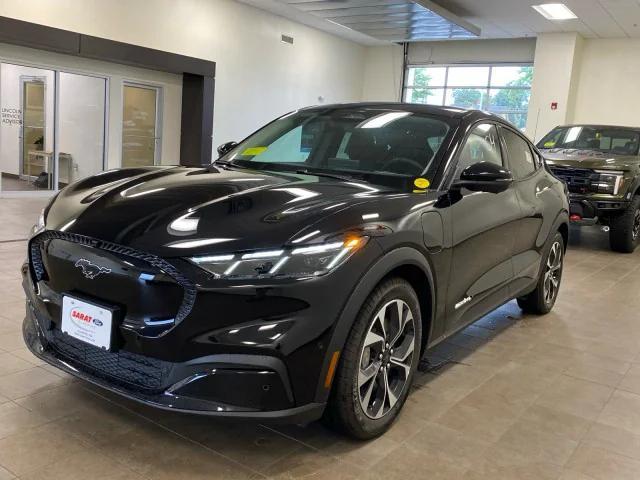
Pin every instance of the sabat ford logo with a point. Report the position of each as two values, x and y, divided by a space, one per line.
83 317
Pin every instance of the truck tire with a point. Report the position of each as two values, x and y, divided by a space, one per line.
625 228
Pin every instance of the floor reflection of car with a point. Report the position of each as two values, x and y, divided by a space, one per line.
601 167
303 273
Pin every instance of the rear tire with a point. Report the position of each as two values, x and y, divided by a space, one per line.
378 362
543 298
625 228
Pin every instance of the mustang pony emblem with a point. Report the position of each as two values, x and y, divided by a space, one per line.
91 270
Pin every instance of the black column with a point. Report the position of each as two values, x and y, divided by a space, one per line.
197 119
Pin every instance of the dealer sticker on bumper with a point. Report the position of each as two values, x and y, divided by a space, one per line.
87 322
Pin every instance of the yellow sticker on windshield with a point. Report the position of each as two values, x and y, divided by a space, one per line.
550 144
254 151
421 183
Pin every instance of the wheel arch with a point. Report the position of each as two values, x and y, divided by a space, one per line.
405 262
561 224
635 187
563 228
421 284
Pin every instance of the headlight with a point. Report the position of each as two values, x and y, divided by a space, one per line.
609 181
306 261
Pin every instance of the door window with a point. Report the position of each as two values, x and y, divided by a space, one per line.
482 145
33 126
521 161
140 138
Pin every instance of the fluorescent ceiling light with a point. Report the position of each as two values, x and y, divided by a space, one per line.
555 11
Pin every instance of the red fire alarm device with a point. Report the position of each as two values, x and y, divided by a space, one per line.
554 105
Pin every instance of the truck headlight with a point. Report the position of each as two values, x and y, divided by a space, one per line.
304 261
609 181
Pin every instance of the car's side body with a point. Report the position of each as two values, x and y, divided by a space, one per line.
465 253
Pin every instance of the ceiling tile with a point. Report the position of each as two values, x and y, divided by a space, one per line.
626 14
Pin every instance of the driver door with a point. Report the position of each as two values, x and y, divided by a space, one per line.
484 227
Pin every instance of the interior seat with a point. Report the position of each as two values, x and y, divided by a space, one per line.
366 148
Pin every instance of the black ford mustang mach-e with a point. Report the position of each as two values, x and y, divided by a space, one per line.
305 271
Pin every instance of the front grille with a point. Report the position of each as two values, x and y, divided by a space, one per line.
578 180
38 243
129 370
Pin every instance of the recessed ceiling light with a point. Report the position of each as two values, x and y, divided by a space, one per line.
555 11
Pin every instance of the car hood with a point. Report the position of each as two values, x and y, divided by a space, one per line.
577 158
179 211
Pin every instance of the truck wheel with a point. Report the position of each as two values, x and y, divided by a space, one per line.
378 362
625 228
543 298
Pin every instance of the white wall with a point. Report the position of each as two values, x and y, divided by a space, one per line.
554 81
258 77
608 83
382 74
593 81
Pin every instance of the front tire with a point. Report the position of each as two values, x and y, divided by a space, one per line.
625 228
378 362
543 298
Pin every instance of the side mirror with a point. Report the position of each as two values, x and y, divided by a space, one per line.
226 148
484 177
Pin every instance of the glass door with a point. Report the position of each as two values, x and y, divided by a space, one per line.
52 127
27 160
140 129
80 126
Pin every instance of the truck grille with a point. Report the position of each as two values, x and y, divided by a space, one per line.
578 180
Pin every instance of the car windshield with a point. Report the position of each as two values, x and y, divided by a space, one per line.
347 141
605 139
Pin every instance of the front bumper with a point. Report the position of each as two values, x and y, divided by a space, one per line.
592 210
202 375
241 350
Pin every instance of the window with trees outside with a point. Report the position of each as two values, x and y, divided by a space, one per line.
500 89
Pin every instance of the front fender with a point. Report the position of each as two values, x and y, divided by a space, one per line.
379 270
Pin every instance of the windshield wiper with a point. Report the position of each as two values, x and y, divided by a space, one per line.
317 173
227 163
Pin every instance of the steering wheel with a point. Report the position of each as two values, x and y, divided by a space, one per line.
416 167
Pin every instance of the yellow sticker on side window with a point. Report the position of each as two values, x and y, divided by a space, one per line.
254 151
550 144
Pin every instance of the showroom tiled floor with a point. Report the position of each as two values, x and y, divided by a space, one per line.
511 397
